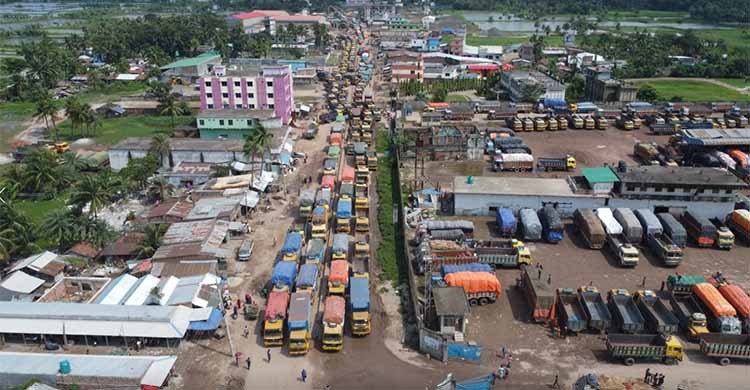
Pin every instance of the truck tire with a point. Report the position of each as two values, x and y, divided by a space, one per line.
629 361
473 302
725 361
483 301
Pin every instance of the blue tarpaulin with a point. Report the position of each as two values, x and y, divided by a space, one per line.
284 273
470 267
464 352
308 274
360 293
506 221
212 323
285 158
344 208
292 243
479 383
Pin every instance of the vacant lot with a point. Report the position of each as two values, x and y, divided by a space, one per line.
116 129
12 117
695 91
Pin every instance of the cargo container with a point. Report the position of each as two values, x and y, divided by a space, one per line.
673 229
631 226
726 347
699 229
597 314
338 279
340 247
687 310
625 315
290 251
540 294
721 315
569 311
683 284
300 324
649 222
724 236
359 300
274 318
590 227
531 227
307 279
656 312
503 253
739 299
306 202
663 247
480 287
632 347
552 227
513 162
315 251
506 222
739 221
333 323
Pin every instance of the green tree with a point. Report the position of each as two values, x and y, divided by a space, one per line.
94 191
42 173
153 234
647 93
46 110
439 95
531 92
74 111
161 148
61 227
160 189
170 107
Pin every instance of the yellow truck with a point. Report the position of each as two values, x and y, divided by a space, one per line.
359 304
372 161
589 123
274 318
362 174
361 197
333 323
299 324
343 215
340 247
362 222
319 222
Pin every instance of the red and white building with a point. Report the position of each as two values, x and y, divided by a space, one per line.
270 20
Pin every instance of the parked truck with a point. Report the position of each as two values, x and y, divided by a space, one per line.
626 254
307 279
531 227
338 279
739 299
283 275
343 215
513 162
724 235
552 227
663 247
333 323
359 300
590 227
656 312
566 163
632 347
597 315
646 152
306 202
673 229
300 324
649 222
506 221
540 294
625 315
739 221
631 226
569 311
699 229
290 251
725 347
503 253
361 197
721 315
319 222
274 318
692 319
340 247
315 251
480 287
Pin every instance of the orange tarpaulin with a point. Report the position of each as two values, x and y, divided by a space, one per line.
714 300
339 271
335 139
474 282
347 174
335 307
737 298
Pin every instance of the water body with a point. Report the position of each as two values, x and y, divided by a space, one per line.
516 24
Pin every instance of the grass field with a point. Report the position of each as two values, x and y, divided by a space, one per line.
116 129
733 37
739 83
695 91
12 117
112 92
38 209
505 40
456 99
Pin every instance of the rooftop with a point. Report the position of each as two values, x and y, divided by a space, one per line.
183 268
84 249
210 208
599 175
35 262
450 301
194 61
681 175
125 245
234 114
21 283
259 14
716 137
184 144
193 168
174 208
513 186
196 231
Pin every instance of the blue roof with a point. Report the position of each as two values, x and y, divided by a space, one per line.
212 323
285 158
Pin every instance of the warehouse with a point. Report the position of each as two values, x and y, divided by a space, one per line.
482 195
85 371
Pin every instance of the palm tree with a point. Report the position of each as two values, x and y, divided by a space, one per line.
161 148
151 239
170 107
262 140
96 191
40 172
250 148
74 111
88 117
94 230
160 189
61 227
46 109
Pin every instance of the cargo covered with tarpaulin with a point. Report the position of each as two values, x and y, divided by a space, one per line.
470 267
292 243
451 234
465 226
347 175
276 305
328 181
340 243
339 272
474 282
308 276
335 309
738 298
284 273
713 300
359 292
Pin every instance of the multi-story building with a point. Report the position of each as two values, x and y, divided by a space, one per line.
405 66
249 87
600 86
270 20
234 124
516 82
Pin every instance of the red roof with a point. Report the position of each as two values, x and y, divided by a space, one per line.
298 18
483 67
507 66
259 14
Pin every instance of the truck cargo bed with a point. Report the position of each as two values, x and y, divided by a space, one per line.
726 346
626 313
596 310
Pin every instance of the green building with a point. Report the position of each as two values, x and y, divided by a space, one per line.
234 124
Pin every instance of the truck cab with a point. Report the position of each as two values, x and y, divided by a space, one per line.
362 222
697 325
372 161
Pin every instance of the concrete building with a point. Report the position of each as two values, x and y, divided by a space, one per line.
600 86
234 124
404 66
451 311
76 289
192 68
271 20
182 149
516 82
241 86
85 371
189 174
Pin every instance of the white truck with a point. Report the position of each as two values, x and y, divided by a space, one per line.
627 254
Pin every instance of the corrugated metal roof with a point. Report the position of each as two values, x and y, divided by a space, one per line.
21 282
139 295
35 262
599 175
116 291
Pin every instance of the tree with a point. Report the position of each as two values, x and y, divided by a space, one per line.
46 109
74 111
61 227
95 191
151 239
531 92
647 93
171 107
159 90
17 233
160 189
41 172
161 148
439 95
263 140
136 174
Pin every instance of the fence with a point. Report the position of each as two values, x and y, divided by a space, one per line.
459 351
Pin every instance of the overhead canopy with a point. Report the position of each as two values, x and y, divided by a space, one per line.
211 323
251 199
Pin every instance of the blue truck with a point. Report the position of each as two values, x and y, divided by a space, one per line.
315 250
359 299
307 280
283 275
292 246
552 227
343 215
506 222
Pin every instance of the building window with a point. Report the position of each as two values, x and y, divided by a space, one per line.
658 189
200 122
236 83
223 83
230 122
270 96
209 95
225 105
251 106
221 122
269 83
670 189
225 95
729 191
715 190
238 105
630 187
251 96
249 83
270 106
249 122
208 84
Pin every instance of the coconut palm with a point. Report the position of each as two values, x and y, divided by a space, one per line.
250 148
94 230
160 189
151 239
96 191
171 107
74 111
60 226
41 173
161 148
46 110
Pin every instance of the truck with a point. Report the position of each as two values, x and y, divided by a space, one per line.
631 226
725 347
468 267
575 121
539 293
359 300
372 160
724 235
328 181
656 312
597 314
514 123
552 227
481 288
673 229
361 199
299 324
506 221
531 227
503 253
513 162
624 122
625 315
632 347
646 152
361 248
739 299
319 222
699 229
290 251
282 277
343 215
692 319
323 198
590 227
306 202
361 266
315 251
662 246
739 221
333 323
566 163
346 190
307 279
649 222
569 311
329 166
338 279
340 247
721 315
274 317
626 254
589 123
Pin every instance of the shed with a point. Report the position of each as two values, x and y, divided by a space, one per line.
451 309
601 179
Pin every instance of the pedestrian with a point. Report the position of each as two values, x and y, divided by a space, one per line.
248 362
660 381
643 283
662 286
303 375
268 355
556 385
248 299
246 332
328 387
237 357
591 283
274 240
504 350
549 279
305 159
234 312
541 266
239 303
539 274
647 376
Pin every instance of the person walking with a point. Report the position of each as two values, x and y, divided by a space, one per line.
539 274
643 283
555 384
328 387
268 355
248 362
245 332
303 375
549 279
647 377
662 286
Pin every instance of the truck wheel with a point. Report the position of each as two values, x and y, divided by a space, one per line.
473 302
724 361
483 301
629 361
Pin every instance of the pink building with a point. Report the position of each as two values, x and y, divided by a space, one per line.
249 87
